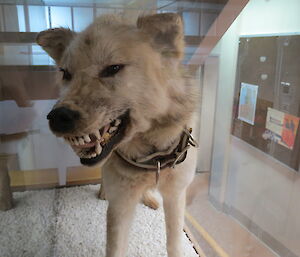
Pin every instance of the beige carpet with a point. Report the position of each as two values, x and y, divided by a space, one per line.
71 222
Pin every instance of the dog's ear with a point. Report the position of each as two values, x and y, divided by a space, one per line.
165 31
55 41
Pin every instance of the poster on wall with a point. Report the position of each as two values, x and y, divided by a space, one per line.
247 103
281 128
266 114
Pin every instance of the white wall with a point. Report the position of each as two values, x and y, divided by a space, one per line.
38 148
207 110
227 51
270 16
263 190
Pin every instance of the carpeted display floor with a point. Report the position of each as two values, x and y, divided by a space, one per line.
71 222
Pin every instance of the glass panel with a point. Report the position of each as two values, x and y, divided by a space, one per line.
11 20
30 154
244 58
82 18
207 19
1 19
191 23
15 55
61 17
40 57
21 18
255 158
100 11
37 18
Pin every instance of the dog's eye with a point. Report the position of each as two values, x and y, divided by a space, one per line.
66 74
111 70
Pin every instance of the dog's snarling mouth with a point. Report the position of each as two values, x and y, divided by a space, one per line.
94 147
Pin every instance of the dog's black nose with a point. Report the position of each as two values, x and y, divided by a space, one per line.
62 119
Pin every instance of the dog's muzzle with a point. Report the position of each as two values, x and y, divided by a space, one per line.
63 119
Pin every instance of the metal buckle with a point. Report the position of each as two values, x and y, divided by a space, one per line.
157 171
180 155
192 140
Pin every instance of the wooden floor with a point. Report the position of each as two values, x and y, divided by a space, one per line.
48 178
83 175
218 234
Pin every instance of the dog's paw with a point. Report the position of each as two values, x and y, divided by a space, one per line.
101 194
150 200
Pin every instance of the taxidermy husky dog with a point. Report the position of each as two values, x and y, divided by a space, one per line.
126 105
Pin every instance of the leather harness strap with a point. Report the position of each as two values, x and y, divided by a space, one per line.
159 160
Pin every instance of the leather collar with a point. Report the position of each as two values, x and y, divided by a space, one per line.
159 160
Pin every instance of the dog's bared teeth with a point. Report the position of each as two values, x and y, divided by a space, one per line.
93 155
98 148
117 122
106 137
97 134
81 141
106 128
87 138
79 152
112 129
76 142
73 141
67 140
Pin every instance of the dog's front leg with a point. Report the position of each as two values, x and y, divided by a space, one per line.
122 202
101 194
174 206
119 217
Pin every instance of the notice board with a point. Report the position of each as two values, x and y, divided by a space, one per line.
267 96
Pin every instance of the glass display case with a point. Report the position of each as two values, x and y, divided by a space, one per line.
244 58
